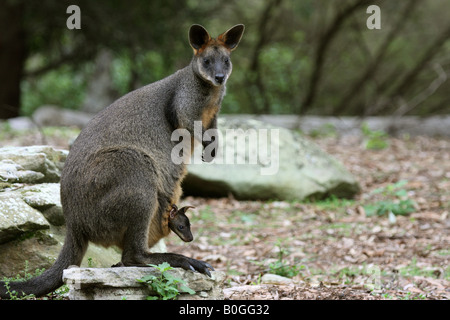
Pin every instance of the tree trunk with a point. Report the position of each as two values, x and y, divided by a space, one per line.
255 67
12 57
322 49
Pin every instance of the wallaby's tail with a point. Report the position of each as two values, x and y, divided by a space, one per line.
71 254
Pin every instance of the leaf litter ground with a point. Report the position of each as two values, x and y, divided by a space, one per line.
334 250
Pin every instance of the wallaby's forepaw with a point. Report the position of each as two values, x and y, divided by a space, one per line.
118 264
197 265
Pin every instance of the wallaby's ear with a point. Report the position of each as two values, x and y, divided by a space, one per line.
173 212
232 36
184 209
198 37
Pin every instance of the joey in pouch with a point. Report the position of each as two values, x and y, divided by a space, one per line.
179 223
119 180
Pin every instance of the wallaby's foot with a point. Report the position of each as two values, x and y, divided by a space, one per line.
118 264
175 261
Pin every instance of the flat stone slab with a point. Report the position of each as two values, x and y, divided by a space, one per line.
121 283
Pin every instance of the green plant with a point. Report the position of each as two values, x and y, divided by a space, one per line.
26 274
374 139
13 295
59 294
165 285
401 204
281 267
90 262
257 282
332 203
412 270
413 296
61 87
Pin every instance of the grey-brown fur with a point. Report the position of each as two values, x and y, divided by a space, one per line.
119 178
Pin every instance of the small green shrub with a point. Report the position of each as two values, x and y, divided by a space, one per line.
396 202
165 285
13 295
62 87
374 139
282 268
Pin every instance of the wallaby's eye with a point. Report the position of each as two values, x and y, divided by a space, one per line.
206 61
180 227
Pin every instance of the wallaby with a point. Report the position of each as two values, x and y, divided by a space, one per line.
119 179
179 223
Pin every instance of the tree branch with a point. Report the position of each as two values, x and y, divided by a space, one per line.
421 97
79 54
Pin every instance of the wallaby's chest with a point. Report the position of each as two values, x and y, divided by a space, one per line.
208 115
211 108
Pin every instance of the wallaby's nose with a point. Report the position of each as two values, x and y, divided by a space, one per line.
220 77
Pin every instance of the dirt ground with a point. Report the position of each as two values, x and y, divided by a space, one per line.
331 249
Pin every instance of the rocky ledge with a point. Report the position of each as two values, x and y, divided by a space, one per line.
121 283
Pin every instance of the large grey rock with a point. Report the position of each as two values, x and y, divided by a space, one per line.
17 217
11 172
46 198
297 168
40 159
121 283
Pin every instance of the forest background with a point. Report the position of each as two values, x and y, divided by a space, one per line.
297 57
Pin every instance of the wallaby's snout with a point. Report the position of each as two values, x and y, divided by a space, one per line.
220 77
212 56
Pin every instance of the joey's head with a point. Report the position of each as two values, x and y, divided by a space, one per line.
212 61
180 224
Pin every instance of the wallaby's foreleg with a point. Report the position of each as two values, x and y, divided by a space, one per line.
175 260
